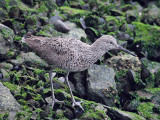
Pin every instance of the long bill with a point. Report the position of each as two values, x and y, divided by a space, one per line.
125 50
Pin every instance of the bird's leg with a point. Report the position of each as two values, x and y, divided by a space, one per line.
74 103
54 100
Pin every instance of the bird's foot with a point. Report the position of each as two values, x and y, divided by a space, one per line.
56 101
77 104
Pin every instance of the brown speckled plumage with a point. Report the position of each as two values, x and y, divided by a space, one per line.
71 54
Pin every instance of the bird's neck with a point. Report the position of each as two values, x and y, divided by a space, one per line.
98 50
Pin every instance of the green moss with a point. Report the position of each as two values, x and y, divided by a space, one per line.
10 53
5 33
147 33
112 19
26 10
146 110
38 71
148 36
4 116
43 33
73 11
120 74
153 90
17 38
42 9
11 86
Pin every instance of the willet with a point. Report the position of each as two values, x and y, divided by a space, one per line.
71 54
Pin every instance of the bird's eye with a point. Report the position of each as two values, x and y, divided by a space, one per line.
110 43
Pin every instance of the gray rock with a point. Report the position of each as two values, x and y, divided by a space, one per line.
7 49
132 105
117 114
123 36
31 59
74 31
58 24
101 85
7 101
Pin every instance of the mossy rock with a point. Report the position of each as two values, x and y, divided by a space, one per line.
49 31
73 13
148 36
146 110
118 114
149 72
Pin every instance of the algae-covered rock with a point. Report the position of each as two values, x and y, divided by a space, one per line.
149 70
7 48
146 110
118 114
148 39
48 31
30 59
124 62
72 12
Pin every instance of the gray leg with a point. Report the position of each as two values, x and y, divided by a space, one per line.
74 103
54 100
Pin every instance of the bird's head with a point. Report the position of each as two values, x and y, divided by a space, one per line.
111 44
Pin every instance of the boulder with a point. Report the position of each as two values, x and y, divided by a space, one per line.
101 86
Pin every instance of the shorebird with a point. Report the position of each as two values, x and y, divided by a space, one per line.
71 55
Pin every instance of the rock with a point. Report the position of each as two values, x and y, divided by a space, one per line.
96 112
30 59
7 48
149 70
6 76
75 32
79 83
3 15
60 2
157 79
7 101
7 66
117 114
61 79
124 62
144 94
127 27
123 36
147 40
132 105
135 80
116 12
28 2
14 12
48 31
60 26
153 13
101 85
68 114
